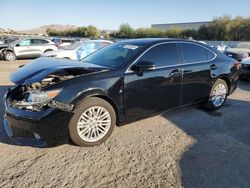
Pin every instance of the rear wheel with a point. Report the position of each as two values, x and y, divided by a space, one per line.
218 95
9 56
92 123
48 51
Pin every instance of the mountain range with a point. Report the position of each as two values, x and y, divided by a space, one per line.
42 29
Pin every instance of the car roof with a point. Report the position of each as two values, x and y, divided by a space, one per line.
152 41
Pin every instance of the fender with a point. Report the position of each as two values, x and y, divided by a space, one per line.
101 93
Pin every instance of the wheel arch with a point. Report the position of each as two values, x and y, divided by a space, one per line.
99 93
227 80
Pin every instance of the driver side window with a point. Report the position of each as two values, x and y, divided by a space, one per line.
162 55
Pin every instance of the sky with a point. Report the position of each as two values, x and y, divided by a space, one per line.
110 14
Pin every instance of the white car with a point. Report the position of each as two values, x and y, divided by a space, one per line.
27 48
78 50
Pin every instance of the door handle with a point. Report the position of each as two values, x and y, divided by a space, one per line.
213 67
175 73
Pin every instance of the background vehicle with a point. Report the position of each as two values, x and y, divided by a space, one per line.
78 50
120 83
240 52
63 42
7 40
27 48
245 69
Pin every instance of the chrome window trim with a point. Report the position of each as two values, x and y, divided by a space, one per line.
167 66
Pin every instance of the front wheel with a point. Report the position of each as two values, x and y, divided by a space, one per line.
92 123
218 95
9 56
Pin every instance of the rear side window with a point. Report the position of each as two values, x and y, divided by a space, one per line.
210 55
195 53
162 55
38 41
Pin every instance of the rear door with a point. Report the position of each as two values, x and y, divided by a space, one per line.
157 89
197 65
38 46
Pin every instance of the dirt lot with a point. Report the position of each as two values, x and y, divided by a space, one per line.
187 147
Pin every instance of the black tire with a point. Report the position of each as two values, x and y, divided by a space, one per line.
80 109
209 103
9 56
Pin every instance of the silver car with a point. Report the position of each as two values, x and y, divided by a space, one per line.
27 48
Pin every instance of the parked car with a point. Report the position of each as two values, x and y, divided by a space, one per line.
7 40
120 83
63 42
78 50
26 48
245 69
240 52
222 48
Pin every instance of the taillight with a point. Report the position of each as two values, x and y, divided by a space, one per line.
236 64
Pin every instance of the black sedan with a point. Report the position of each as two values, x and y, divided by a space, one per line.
245 69
120 83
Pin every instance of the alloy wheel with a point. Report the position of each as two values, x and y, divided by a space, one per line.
219 95
94 124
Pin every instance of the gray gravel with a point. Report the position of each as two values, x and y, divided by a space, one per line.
187 147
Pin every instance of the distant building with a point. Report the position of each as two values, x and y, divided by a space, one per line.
187 25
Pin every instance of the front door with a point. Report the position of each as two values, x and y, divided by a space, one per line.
157 89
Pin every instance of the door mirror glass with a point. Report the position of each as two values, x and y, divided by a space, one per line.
17 45
142 66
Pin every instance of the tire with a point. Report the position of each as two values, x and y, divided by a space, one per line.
84 133
9 56
49 50
214 101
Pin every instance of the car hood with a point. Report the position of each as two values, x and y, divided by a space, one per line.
4 46
42 67
246 61
238 50
57 52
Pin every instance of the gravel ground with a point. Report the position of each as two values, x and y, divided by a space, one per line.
187 147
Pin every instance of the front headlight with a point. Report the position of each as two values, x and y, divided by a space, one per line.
41 97
35 100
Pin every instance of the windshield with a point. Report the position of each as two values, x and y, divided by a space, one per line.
115 55
73 46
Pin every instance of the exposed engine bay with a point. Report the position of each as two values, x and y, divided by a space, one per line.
34 97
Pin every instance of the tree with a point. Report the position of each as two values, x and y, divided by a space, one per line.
126 31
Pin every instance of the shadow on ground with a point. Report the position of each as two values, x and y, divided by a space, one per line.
220 156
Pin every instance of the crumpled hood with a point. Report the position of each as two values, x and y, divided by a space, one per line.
42 67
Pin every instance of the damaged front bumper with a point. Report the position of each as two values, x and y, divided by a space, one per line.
37 128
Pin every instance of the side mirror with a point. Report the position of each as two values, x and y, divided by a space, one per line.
142 66
17 45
